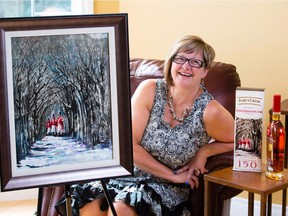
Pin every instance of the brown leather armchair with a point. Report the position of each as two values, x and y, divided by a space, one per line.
221 82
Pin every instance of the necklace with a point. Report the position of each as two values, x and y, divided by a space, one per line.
171 108
185 112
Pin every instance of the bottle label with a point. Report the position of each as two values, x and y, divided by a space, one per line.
270 146
270 153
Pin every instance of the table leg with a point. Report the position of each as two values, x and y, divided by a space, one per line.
263 205
269 204
206 198
284 198
250 204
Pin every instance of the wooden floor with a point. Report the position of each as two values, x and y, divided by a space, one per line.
18 208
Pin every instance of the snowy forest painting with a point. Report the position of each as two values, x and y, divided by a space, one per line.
61 78
63 92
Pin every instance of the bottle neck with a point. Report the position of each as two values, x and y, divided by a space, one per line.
276 116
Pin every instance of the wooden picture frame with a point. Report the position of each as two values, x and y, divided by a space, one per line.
77 66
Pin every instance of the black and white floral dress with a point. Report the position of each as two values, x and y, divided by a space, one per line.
173 147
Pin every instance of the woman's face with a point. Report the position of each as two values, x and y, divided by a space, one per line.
188 69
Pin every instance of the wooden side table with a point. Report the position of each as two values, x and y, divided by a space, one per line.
248 181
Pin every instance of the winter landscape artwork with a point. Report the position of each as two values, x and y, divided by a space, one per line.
65 84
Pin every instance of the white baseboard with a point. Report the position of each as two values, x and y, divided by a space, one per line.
239 207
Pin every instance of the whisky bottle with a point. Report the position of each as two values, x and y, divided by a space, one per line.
275 143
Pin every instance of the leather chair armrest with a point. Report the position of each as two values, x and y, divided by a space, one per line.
220 161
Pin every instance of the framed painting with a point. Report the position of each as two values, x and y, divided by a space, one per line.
65 88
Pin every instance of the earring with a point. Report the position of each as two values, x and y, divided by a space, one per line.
202 82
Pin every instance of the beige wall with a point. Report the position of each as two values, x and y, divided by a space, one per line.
105 7
252 35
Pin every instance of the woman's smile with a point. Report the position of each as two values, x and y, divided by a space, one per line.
185 74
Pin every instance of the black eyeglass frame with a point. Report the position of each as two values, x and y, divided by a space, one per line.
184 60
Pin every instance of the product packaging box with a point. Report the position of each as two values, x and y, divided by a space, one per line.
249 106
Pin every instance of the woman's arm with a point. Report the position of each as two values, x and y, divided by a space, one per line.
142 102
219 122
219 125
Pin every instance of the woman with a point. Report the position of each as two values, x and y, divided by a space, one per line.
173 122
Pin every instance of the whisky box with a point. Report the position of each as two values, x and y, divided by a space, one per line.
249 106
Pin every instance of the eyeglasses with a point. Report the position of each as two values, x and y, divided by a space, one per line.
196 63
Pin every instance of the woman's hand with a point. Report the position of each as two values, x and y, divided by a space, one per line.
197 163
194 168
179 178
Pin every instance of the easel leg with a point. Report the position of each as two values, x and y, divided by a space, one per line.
108 198
68 200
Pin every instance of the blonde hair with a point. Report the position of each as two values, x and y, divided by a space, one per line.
188 44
